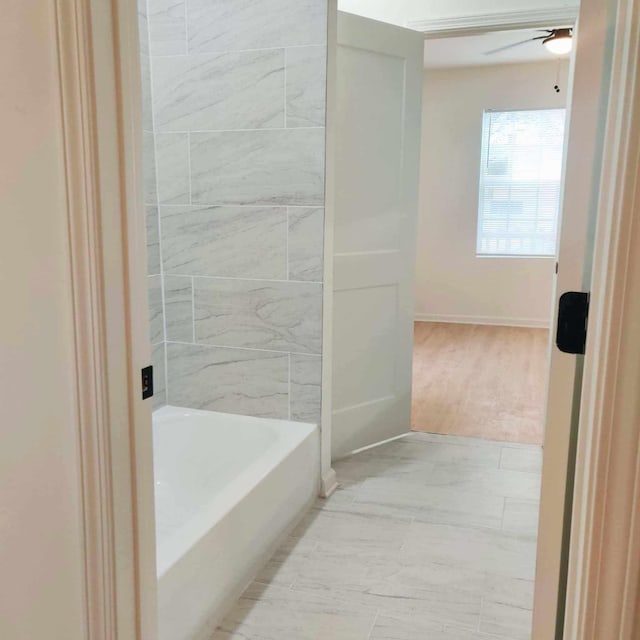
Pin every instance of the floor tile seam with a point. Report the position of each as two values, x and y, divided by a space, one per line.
373 624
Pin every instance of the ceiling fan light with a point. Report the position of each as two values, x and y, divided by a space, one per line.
559 44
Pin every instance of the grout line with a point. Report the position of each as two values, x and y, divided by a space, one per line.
189 177
186 30
241 130
289 386
193 307
200 205
249 279
223 346
286 266
285 88
373 625
228 51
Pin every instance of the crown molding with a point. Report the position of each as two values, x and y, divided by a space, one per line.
475 24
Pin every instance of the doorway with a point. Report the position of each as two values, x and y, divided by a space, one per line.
491 177
516 478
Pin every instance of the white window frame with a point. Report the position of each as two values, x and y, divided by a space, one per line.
482 182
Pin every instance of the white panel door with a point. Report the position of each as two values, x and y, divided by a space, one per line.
377 151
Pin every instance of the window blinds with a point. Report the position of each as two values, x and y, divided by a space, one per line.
520 181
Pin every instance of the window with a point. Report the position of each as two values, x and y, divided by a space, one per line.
520 179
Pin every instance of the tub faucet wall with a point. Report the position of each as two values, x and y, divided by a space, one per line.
238 115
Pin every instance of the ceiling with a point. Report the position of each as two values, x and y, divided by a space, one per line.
468 51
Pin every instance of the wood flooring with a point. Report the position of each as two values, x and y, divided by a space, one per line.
480 381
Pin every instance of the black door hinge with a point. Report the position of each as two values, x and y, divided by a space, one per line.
147 382
573 318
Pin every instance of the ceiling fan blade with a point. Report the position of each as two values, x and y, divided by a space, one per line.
510 46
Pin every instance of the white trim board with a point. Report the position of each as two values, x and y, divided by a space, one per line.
499 321
485 23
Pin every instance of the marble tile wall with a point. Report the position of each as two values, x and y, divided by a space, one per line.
235 195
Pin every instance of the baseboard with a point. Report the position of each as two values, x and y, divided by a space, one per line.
499 321
328 483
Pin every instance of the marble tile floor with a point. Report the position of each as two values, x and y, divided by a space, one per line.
430 537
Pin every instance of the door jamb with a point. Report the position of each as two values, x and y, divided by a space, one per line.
100 86
603 589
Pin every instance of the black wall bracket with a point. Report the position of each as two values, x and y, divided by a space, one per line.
147 382
573 317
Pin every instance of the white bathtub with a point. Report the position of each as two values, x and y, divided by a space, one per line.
228 487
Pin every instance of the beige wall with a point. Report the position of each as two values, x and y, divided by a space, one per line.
40 543
452 283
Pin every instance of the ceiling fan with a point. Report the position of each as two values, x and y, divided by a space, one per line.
558 41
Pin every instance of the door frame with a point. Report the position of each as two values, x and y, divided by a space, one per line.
603 586
101 129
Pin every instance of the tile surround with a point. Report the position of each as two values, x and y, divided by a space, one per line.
167 27
305 388
222 91
218 25
262 167
228 380
172 168
153 240
156 309
306 86
178 308
277 316
233 98
203 241
159 375
306 243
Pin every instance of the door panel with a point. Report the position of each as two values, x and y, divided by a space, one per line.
378 94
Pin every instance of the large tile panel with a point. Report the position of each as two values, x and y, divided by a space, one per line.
306 388
279 167
306 243
149 168
167 27
178 308
156 314
221 25
243 90
282 316
153 241
238 242
172 160
253 383
306 86
159 382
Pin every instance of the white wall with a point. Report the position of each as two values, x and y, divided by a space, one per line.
40 526
401 12
452 283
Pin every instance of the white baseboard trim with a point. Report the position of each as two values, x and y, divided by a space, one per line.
328 483
499 321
